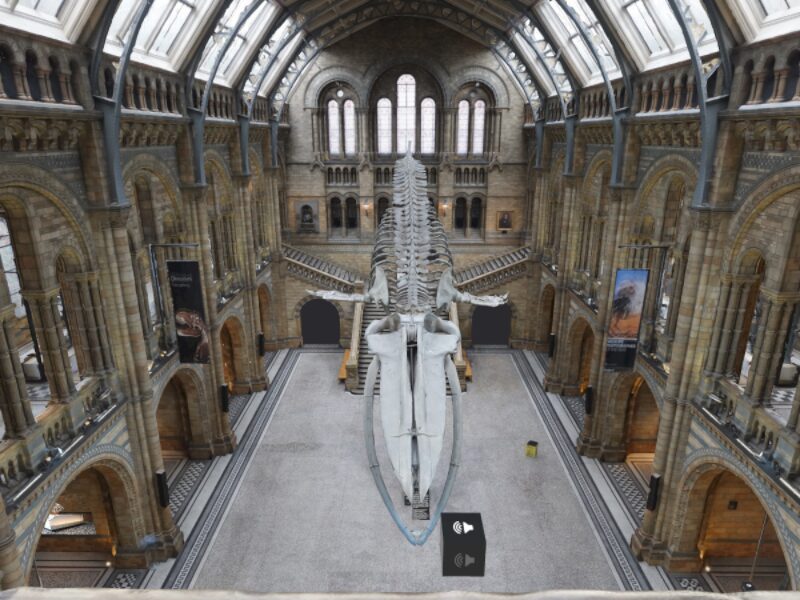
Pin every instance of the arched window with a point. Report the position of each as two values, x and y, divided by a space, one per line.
334 129
462 139
478 124
384 126
428 126
383 206
349 128
460 217
352 214
406 114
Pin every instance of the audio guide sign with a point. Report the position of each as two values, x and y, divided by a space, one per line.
626 317
190 317
463 545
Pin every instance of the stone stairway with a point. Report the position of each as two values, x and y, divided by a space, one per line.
372 313
494 271
320 271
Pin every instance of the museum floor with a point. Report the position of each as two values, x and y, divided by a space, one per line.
294 509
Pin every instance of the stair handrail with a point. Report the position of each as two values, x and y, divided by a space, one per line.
349 283
351 366
458 359
516 261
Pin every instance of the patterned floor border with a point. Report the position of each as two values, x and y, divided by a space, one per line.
185 567
629 489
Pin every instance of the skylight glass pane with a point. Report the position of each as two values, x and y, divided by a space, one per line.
349 128
44 7
120 24
334 129
406 114
478 126
462 135
172 26
428 126
646 27
771 8
384 126
155 16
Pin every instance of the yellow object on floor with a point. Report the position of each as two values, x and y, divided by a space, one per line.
531 449
343 368
468 370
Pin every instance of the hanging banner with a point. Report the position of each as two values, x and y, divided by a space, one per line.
626 317
190 317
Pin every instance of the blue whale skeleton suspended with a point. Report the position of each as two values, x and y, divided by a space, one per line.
412 278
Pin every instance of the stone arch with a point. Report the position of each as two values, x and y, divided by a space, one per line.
232 341
702 468
601 160
178 415
483 76
547 302
491 325
334 74
664 167
125 500
315 321
425 63
578 356
18 181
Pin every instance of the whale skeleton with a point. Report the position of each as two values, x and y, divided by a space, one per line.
412 277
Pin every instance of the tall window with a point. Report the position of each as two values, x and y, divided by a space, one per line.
334 129
406 114
478 123
384 126
349 128
462 142
471 128
428 126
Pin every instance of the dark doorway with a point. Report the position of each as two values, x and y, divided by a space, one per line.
491 325
319 321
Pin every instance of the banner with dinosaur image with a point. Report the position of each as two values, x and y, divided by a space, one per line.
190 316
626 317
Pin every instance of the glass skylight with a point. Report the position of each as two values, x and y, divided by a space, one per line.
249 34
267 53
575 48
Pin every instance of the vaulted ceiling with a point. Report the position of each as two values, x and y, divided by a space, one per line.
260 47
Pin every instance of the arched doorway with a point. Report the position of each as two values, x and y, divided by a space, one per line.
641 420
726 531
172 418
579 358
231 338
88 529
491 326
319 322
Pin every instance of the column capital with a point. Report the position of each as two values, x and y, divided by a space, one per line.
41 295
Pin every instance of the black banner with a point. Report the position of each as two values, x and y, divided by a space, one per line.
190 317
626 317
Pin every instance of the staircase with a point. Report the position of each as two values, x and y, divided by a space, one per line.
319 271
493 272
372 313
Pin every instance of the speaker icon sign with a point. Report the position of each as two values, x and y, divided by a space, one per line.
463 560
462 527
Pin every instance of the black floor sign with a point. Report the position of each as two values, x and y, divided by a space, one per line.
463 545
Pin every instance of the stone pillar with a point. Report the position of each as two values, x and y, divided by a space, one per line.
11 573
647 541
127 339
768 351
14 403
224 440
44 315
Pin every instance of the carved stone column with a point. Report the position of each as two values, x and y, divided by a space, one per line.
46 322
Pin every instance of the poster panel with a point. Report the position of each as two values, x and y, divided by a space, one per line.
630 287
190 317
